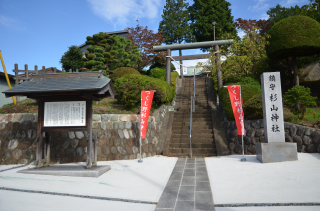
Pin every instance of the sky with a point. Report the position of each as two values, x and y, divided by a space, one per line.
39 32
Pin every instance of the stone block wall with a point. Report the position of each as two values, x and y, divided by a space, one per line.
307 139
118 138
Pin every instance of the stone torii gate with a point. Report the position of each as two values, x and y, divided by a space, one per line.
169 48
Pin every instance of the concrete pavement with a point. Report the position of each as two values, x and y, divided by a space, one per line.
233 183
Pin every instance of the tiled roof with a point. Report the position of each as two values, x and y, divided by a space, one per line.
49 84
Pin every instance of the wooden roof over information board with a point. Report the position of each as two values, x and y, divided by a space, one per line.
89 85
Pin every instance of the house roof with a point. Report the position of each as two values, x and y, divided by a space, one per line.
93 83
2 75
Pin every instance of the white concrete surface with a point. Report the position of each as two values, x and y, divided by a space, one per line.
6 167
235 182
127 179
17 201
280 208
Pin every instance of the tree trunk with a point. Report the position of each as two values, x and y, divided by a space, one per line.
295 71
289 70
218 69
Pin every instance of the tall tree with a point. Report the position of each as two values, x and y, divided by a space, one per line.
204 12
116 52
278 13
174 24
72 59
145 39
248 26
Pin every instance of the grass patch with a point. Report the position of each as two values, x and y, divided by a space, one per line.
104 106
311 119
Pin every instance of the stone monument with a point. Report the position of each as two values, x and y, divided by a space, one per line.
274 149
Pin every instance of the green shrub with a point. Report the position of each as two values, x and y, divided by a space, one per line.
122 71
253 109
298 99
158 72
129 87
159 66
174 76
246 92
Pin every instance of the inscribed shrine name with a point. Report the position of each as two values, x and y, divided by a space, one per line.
272 107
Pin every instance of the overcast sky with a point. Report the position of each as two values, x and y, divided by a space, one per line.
38 32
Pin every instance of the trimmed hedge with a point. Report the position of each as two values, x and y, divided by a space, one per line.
294 36
246 92
129 87
174 76
122 71
253 109
160 73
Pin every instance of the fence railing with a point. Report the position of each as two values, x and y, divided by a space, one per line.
27 72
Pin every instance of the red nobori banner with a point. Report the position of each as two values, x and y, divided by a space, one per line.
236 102
146 101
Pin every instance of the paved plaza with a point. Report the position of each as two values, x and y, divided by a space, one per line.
231 185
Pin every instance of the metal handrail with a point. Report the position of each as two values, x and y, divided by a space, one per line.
191 124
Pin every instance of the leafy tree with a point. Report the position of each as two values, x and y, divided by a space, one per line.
294 37
174 24
298 99
116 51
203 12
251 25
278 13
72 59
145 39
242 57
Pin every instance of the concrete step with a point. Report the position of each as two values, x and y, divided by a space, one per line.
187 145
187 123
194 127
193 140
194 115
195 136
193 132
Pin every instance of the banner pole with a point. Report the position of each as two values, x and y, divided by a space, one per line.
140 160
242 128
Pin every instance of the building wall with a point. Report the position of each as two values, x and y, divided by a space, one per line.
190 70
3 87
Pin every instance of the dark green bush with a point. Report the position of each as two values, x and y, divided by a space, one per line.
122 71
253 108
158 72
296 35
129 87
174 76
246 92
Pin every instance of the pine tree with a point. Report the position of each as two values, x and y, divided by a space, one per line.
174 24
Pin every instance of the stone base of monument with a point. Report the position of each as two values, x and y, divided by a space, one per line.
68 170
276 152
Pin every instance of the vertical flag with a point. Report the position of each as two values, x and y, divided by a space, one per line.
236 102
146 101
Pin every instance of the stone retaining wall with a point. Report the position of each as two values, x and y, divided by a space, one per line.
307 139
118 138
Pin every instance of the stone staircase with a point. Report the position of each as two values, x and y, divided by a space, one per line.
202 128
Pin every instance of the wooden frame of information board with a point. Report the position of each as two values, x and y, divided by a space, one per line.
87 86
41 129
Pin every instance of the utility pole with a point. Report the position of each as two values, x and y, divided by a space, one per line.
217 54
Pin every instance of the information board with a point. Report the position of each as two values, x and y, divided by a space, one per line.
64 114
